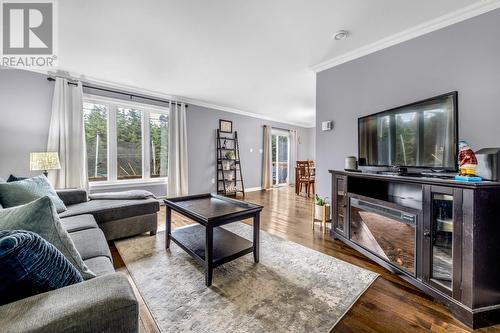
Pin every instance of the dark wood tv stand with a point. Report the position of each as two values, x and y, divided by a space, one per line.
440 235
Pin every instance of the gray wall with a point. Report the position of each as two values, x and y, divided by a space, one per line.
25 107
307 143
463 57
201 125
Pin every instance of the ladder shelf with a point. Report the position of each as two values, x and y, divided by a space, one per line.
228 166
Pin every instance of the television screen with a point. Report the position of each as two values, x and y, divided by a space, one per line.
422 134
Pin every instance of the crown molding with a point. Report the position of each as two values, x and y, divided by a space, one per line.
152 93
483 6
242 112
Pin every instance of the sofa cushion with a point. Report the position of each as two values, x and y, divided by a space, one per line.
90 243
24 191
40 216
31 265
79 222
72 196
100 265
110 210
123 195
106 304
13 178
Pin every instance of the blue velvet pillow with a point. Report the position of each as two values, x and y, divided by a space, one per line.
30 265
40 217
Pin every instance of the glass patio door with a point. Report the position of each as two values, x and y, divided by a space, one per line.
280 153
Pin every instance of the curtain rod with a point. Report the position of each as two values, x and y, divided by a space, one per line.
86 85
281 128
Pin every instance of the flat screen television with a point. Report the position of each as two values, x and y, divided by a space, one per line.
418 135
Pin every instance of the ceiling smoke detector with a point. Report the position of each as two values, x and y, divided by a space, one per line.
341 34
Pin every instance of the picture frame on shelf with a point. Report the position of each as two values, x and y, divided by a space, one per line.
225 126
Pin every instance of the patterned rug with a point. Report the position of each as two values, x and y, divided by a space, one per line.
292 289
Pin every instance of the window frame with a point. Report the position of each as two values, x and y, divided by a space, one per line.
112 105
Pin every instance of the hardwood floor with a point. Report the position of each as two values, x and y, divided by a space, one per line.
389 305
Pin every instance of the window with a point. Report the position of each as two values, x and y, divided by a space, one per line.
125 141
96 135
158 129
129 143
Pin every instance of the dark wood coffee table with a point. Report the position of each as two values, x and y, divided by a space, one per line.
206 241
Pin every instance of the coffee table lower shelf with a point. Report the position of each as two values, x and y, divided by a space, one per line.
227 246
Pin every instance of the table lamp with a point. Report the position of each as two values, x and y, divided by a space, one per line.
44 161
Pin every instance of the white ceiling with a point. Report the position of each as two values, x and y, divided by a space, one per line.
251 55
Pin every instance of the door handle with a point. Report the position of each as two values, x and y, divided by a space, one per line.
427 233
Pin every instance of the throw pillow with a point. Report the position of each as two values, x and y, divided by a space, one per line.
30 266
24 191
40 216
13 178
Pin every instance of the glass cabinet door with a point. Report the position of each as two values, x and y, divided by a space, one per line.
340 217
442 239
442 223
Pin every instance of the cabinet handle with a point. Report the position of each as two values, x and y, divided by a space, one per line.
427 233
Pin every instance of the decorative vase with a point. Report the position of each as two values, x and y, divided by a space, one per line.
351 163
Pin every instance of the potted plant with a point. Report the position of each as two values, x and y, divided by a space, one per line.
321 209
229 155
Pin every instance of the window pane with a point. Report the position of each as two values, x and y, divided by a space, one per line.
158 130
129 143
282 159
96 136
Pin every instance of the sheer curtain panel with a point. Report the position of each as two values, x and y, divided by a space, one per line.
67 136
177 151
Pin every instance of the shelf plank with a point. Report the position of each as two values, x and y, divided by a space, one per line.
227 245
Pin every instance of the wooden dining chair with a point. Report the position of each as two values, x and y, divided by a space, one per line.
305 178
312 169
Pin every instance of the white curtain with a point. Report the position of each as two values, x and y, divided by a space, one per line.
67 136
293 156
177 151
266 159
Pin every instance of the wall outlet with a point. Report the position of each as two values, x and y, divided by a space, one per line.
251 150
213 180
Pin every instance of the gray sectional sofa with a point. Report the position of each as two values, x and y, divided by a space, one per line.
105 303
116 218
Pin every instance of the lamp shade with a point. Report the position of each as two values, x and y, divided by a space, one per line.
44 161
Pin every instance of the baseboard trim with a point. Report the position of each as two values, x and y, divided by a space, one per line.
250 189
253 189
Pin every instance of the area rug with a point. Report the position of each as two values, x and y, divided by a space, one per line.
291 289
